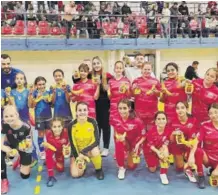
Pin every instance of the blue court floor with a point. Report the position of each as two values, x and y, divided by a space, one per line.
137 182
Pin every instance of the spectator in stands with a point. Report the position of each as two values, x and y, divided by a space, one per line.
183 26
93 12
183 9
11 5
27 4
41 3
174 12
69 10
216 83
7 16
81 26
133 30
108 9
94 32
144 5
194 27
214 10
116 9
191 71
213 25
41 13
126 9
152 21
160 6
8 73
165 20
19 10
31 13
102 11
52 17
120 26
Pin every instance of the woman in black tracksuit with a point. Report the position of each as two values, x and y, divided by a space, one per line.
103 102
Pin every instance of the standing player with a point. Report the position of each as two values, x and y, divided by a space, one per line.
61 97
146 91
172 91
129 135
58 138
19 97
90 89
119 88
208 154
14 132
156 146
187 126
205 93
40 100
8 73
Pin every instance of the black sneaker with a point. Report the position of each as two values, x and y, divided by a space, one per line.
210 170
201 182
51 181
99 174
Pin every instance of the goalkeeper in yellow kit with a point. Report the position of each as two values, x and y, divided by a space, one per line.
84 140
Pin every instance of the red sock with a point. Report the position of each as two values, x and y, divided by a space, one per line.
163 171
199 154
120 153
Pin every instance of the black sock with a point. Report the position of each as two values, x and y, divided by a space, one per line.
3 166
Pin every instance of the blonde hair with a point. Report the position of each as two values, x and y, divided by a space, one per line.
10 109
215 70
103 73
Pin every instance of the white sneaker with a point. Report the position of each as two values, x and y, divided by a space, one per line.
164 179
42 155
105 152
121 173
190 176
9 161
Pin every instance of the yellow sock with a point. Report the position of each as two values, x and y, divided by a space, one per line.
97 161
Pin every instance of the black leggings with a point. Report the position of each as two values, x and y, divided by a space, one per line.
3 166
102 117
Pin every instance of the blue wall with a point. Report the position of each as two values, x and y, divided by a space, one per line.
9 43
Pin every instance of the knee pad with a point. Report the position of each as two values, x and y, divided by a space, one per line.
23 176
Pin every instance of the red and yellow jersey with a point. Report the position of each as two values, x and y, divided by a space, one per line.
201 98
118 90
145 103
87 96
153 138
133 127
57 142
177 94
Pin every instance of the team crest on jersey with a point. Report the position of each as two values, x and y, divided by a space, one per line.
21 133
63 141
210 94
59 93
15 135
8 81
89 129
131 127
189 125
19 97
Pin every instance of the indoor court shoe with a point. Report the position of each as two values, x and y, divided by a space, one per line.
201 182
51 181
190 176
104 152
164 179
99 174
121 173
4 185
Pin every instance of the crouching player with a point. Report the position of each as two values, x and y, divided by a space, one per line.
17 135
208 154
84 141
57 146
156 146
129 133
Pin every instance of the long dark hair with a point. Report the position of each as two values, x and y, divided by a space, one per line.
25 80
160 112
126 101
186 105
57 119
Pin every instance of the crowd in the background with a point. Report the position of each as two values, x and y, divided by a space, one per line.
155 18
126 100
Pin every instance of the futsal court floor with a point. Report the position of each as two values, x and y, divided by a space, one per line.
137 182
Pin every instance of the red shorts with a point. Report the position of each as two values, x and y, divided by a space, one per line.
212 158
177 149
151 159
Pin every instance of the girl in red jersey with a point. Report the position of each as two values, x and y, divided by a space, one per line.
172 90
187 126
57 140
119 88
208 154
156 146
90 89
146 91
129 135
205 93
